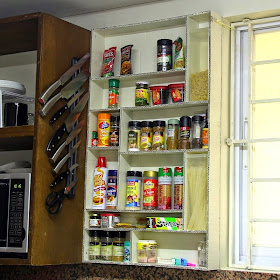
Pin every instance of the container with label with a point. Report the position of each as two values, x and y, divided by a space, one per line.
185 128
178 187
94 220
147 251
94 139
146 135
205 132
103 129
114 131
158 135
108 220
94 245
133 137
142 94
197 126
114 85
164 188
111 202
150 182
160 95
172 134
177 92
106 251
118 246
164 54
127 250
133 190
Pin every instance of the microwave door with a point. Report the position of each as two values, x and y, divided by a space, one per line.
4 210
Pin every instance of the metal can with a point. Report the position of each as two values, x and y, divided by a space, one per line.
108 220
150 183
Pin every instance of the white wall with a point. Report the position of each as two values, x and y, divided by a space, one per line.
171 8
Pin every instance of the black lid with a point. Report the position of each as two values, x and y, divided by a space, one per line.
185 121
197 118
112 172
115 118
119 234
164 42
146 124
158 123
134 123
134 173
94 233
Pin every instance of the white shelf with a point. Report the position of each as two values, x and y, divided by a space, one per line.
171 211
166 152
103 148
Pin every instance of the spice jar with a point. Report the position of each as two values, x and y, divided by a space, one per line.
164 55
178 187
106 250
134 131
185 124
94 220
150 182
172 134
146 135
197 126
114 132
133 190
118 246
94 245
142 94
177 92
164 188
111 202
158 135
94 139
160 94
114 85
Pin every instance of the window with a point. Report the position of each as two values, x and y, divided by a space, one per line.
255 145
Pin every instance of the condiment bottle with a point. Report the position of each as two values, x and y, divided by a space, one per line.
142 94
185 124
94 139
118 246
106 252
133 190
134 131
126 251
111 202
114 131
95 220
205 133
146 135
114 85
197 125
164 188
150 183
178 187
100 181
103 129
158 135
94 245
172 134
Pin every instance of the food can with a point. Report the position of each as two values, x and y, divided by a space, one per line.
108 220
147 251
103 129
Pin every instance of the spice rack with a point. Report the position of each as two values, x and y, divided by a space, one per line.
202 37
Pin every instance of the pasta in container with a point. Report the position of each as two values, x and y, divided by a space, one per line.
199 86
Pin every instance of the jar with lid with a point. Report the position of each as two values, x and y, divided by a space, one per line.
112 187
185 125
114 85
95 220
108 220
177 92
118 246
106 251
158 135
142 94
164 188
94 245
172 134
197 126
134 130
133 190
164 54
150 183
114 132
94 139
160 94
146 135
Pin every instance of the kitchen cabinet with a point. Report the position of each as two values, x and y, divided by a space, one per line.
53 239
202 35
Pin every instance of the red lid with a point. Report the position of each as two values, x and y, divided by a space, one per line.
101 162
176 85
158 87
109 214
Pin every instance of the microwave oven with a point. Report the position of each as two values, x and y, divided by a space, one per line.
14 214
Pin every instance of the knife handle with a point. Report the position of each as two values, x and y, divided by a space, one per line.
56 138
48 92
43 112
58 114
59 178
55 156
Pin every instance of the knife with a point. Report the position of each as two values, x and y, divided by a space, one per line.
71 136
69 122
63 79
66 92
61 111
64 159
63 175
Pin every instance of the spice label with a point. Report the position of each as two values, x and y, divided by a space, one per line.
106 250
146 140
171 132
118 250
94 222
132 193
126 254
158 141
185 132
164 196
112 193
150 192
133 139
205 137
103 133
114 137
176 95
94 249
179 180
113 97
141 96
156 97
178 196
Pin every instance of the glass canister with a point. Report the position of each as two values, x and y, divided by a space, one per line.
158 135
197 126
106 251
150 183
94 245
95 220
134 130
133 190
164 188
142 94
147 251
172 134
146 135
114 85
118 246
177 92
185 132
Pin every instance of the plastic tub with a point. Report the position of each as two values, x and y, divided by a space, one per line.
177 92
160 94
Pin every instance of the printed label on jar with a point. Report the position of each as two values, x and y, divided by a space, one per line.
106 250
103 133
205 137
132 193
94 142
176 95
164 197
156 97
163 59
150 192
142 96
185 131
171 132
118 250
146 141
158 141
113 97
133 139
178 196
94 249
94 222
114 137
112 193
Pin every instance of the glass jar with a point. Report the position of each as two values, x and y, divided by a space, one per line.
95 220
134 130
158 135
185 124
150 183
164 188
114 85
164 54
94 245
118 246
114 132
177 92
133 190
197 126
172 134
146 135
142 94
106 251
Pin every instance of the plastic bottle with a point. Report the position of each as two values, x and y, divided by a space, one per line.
100 181
94 245
126 251
118 246
106 251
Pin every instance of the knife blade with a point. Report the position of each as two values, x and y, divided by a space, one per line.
61 111
64 159
66 92
63 79
71 136
63 175
69 122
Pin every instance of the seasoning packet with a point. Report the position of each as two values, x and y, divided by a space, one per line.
108 62
179 62
126 60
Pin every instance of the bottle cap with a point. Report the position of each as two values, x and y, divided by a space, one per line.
150 174
134 123
164 42
113 173
101 162
115 118
197 118
159 123
94 233
146 124
94 135
173 121
114 83
134 173
165 171
178 171
126 243
185 121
